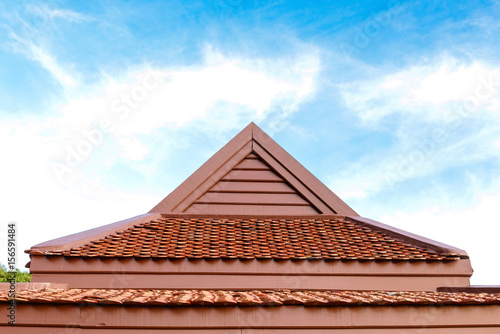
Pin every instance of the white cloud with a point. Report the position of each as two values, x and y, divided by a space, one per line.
135 150
152 98
223 92
415 157
29 34
425 91
48 61
46 11
442 115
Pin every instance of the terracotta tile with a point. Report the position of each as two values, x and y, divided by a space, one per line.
297 239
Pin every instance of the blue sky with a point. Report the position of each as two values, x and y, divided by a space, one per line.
106 106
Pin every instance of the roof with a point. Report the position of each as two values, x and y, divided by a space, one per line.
249 298
318 238
252 174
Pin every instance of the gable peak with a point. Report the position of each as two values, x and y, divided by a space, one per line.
252 174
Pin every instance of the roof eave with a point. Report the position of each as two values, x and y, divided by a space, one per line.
408 237
82 238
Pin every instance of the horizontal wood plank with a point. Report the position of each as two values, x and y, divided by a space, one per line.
251 175
252 164
251 209
261 187
252 198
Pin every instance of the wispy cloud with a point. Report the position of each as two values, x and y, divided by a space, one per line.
48 11
424 91
436 112
222 92
48 61
30 30
127 110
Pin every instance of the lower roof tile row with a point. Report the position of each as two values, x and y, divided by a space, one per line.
248 298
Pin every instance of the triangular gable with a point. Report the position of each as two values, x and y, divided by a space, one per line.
252 174
252 186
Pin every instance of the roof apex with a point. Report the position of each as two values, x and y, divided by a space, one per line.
253 143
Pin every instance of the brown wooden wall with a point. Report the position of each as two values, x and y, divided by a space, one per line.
251 274
252 320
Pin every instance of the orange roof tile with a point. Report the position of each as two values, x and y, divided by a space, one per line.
239 238
249 298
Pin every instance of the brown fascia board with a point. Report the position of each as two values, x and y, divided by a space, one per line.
251 281
34 286
408 237
304 267
288 162
471 289
248 216
252 138
82 238
97 318
175 200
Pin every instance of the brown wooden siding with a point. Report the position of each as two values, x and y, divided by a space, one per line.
276 320
252 186
253 274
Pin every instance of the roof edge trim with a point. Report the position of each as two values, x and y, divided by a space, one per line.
471 289
411 238
35 286
319 190
82 238
247 216
179 198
